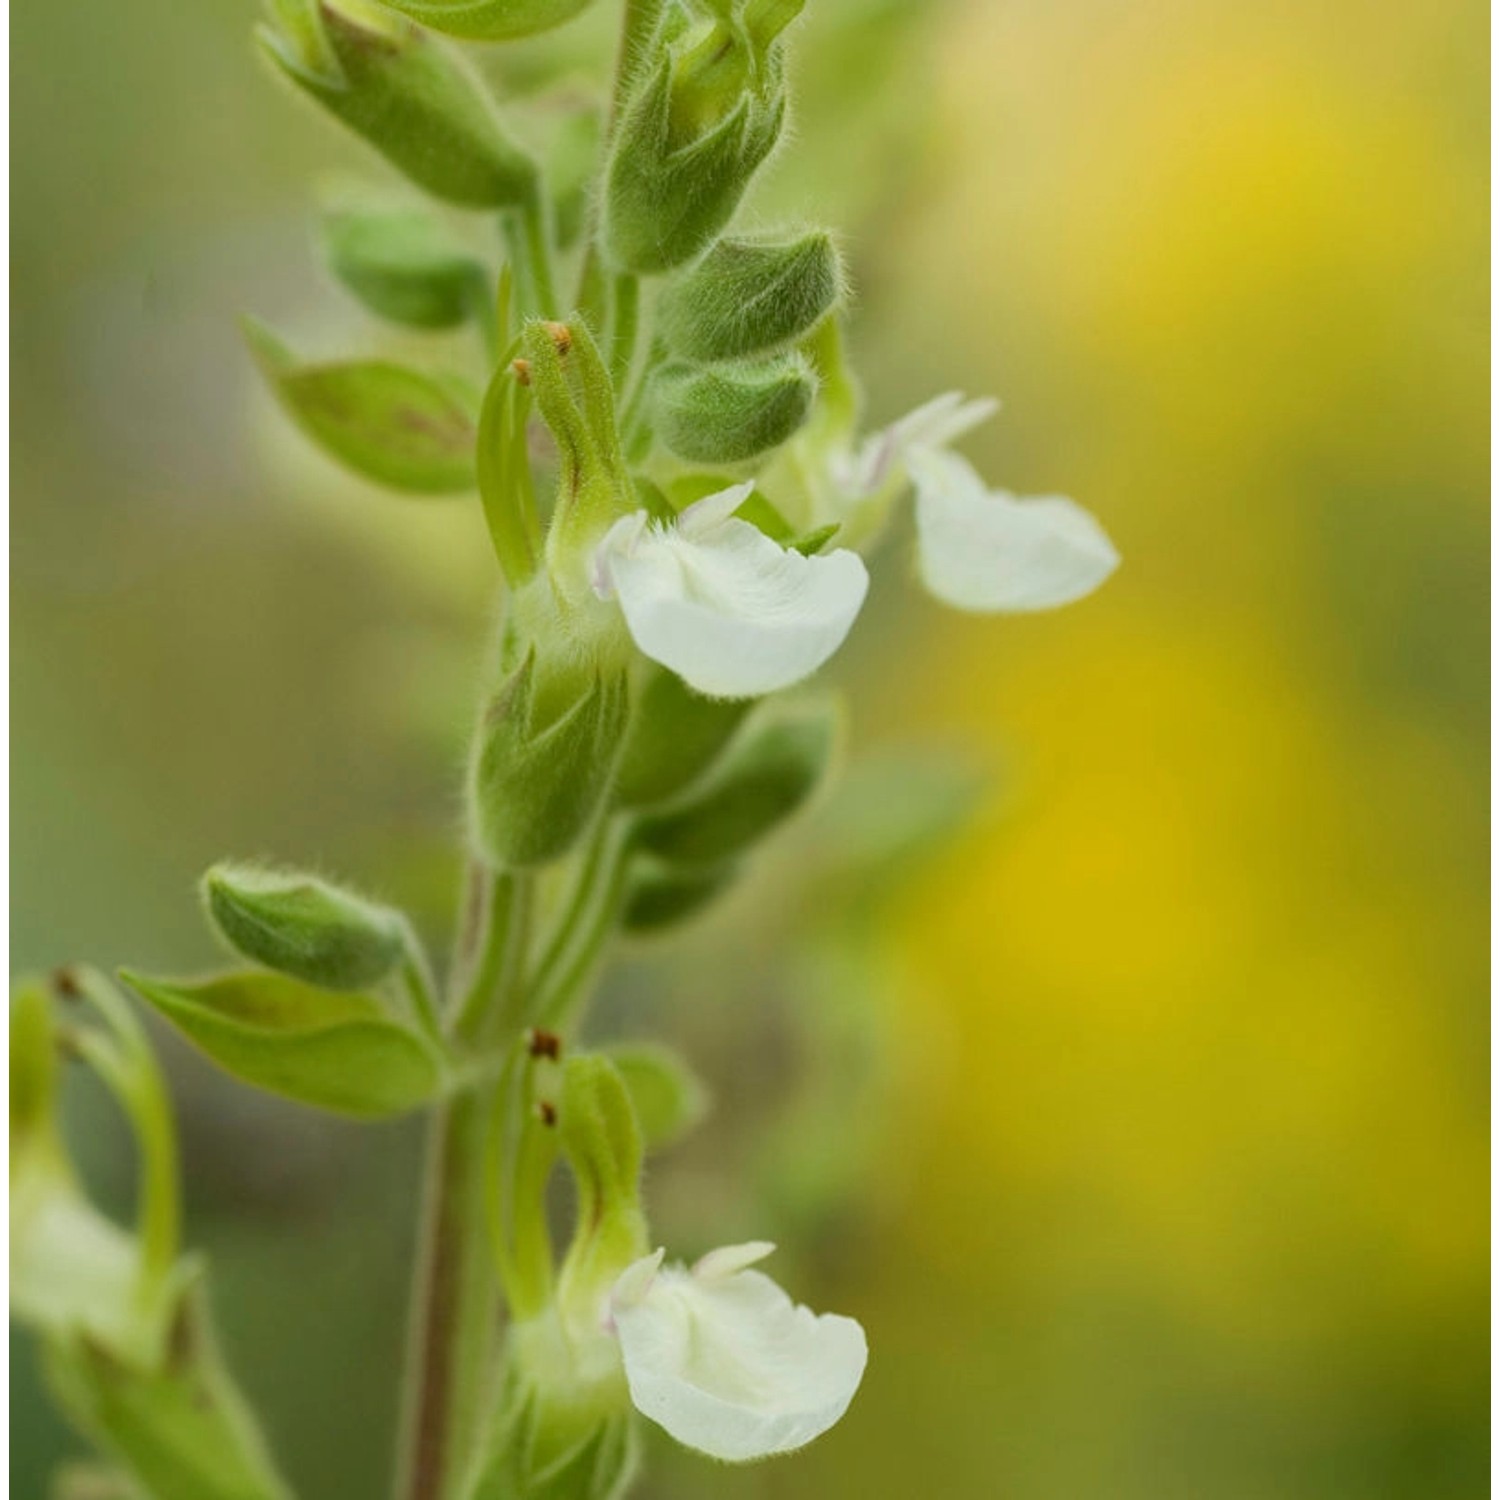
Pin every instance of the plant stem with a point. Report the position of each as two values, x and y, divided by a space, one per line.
455 1296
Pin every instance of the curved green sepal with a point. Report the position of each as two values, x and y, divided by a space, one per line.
408 96
396 426
334 1050
749 296
403 267
771 772
730 412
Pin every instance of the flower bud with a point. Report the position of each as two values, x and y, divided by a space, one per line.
706 111
543 758
490 20
661 897
300 925
773 770
730 412
749 296
407 96
403 267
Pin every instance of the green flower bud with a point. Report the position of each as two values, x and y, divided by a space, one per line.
408 96
675 736
669 1098
749 296
543 758
490 20
403 267
395 426
772 771
706 111
351 1054
730 412
300 925
661 897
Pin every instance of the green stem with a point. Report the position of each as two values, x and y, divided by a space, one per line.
455 1297
529 243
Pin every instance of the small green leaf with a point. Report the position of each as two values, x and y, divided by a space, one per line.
306 927
749 296
409 96
331 1049
490 20
730 412
771 772
675 736
669 1098
404 267
810 543
396 426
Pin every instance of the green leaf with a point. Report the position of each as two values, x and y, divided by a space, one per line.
669 1098
306 927
730 412
771 772
396 426
490 20
409 96
749 296
661 897
334 1050
404 267
182 1431
675 736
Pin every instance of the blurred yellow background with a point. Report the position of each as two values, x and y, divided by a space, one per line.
1151 1146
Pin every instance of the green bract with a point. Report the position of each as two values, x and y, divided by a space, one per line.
490 20
545 1448
388 423
543 757
404 267
348 1053
770 774
305 927
661 896
730 412
408 96
749 296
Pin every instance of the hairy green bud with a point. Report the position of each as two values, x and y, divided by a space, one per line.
675 736
730 412
301 925
403 267
749 296
707 109
408 96
543 758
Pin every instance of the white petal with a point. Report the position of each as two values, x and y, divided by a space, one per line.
729 1365
722 605
728 1259
929 428
987 551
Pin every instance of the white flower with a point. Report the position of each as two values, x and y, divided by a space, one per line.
722 605
860 474
723 1359
985 550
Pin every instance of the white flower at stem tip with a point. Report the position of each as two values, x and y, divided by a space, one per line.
714 599
987 551
726 1362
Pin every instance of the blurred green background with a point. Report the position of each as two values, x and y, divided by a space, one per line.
1143 1123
